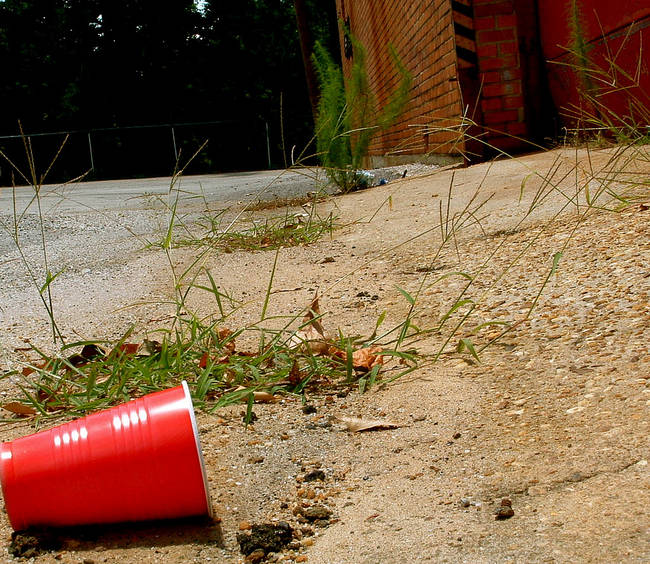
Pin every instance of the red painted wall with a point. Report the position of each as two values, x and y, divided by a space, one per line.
618 38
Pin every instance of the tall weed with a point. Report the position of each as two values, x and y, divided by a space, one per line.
348 116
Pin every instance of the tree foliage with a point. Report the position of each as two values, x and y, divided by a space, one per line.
80 65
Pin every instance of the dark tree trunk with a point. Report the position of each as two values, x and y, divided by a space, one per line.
307 47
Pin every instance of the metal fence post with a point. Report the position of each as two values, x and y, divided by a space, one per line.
90 148
174 143
268 143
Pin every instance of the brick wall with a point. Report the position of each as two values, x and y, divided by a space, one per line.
502 96
464 56
423 36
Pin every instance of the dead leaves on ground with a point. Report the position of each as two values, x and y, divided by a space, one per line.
93 352
51 399
19 409
363 360
316 362
356 424
226 345
311 338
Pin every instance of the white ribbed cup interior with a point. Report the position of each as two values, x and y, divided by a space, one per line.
190 409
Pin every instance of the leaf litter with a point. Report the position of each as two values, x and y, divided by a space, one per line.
101 375
356 424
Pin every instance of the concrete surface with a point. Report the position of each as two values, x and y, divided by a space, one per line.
138 193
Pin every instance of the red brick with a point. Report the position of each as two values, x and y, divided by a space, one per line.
505 143
513 102
483 2
489 77
495 35
497 63
510 74
424 38
484 23
462 19
518 128
505 116
486 50
483 9
508 20
491 104
508 48
502 89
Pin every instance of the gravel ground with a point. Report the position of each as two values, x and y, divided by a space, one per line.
538 453
93 240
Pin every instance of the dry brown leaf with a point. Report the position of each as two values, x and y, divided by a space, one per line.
311 340
88 352
223 334
362 359
203 362
250 354
27 370
125 349
367 359
356 425
312 314
295 376
312 335
263 397
150 348
19 408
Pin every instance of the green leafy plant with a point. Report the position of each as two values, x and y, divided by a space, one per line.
289 230
579 46
35 179
348 117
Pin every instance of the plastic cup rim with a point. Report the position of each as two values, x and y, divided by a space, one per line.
197 441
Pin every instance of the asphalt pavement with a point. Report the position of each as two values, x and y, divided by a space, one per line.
134 194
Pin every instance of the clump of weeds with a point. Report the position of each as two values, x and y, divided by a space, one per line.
289 230
87 375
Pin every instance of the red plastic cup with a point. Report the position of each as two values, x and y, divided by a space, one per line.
137 461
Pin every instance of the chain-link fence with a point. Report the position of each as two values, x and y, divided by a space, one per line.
141 151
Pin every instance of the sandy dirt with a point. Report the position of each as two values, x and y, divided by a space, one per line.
554 418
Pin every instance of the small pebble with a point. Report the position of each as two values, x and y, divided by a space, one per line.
316 513
256 556
314 475
504 511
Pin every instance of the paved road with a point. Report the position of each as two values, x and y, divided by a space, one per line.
138 193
